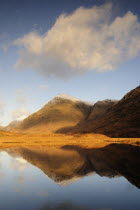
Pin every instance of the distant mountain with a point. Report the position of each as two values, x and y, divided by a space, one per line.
120 119
1 128
62 111
11 125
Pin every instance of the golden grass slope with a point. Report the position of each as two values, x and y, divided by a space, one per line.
53 116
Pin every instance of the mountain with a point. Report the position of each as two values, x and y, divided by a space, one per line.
1 128
121 119
11 125
97 111
65 114
62 111
100 108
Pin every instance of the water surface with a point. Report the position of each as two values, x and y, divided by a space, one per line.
70 177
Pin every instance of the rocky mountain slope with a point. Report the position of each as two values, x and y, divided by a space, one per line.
11 125
97 111
122 118
62 111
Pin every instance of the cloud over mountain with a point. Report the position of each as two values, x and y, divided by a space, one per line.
87 39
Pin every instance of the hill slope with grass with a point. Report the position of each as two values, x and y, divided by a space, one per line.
62 111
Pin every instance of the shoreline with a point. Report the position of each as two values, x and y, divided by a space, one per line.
8 139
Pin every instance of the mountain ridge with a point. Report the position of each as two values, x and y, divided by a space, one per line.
121 120
69 115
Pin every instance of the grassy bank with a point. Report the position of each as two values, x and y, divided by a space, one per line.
8 139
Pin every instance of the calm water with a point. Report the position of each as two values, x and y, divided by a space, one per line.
70 178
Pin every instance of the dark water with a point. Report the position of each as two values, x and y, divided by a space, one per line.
70 178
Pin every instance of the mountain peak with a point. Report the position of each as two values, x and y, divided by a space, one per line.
62 98
67 97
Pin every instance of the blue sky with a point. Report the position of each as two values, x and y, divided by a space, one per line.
27 81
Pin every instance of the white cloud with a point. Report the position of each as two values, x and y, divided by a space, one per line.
87 39
20 114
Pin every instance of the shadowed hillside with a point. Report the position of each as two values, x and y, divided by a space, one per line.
98 110
120 119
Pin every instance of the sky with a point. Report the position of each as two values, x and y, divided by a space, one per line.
89 49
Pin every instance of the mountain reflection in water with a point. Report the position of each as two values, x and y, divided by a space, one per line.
68 164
